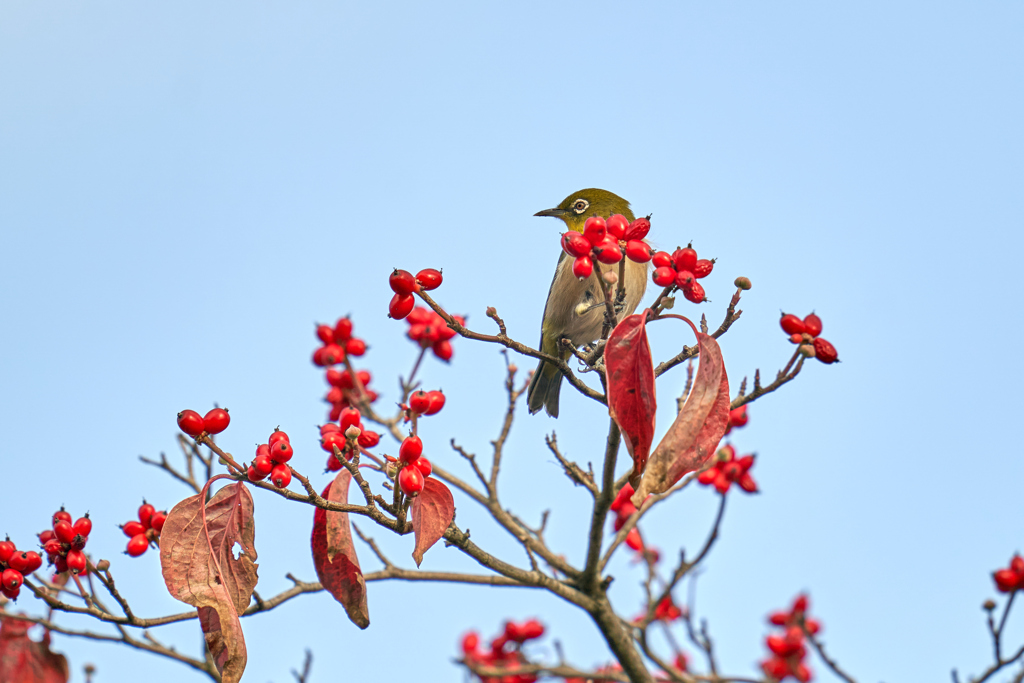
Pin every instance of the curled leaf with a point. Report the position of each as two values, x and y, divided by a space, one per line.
23 660
631 396
196 557
432 511
334 553
694 435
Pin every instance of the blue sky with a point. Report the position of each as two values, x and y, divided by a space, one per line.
187 189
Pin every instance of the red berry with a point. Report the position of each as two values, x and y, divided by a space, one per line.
575 244
608 251
133 528
638 229
364 377
252 474
616 225
796 339
419 402
429 278
1017 565
402 282
6 550
685 259
334 377
633 539
355 347
333 464
411 449
190 422
401 305
281 476
330 440
342 330
335 396
662 259
275 436
470 643
436 402
29 562
61 514
824 351
443 350
638 251
76 561
60 564
64 531
595 230
812 325
424 466
792 324
12 579
53 547
738 417
327 429
350 417
145 513
695 293
262 464
703 268
664 276
44 536
368 439
582 267
83 525
281 452
137 545
684 279
216 421
410 480
325 333
156 522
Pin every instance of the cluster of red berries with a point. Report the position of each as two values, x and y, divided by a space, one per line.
271 459
214 422
403 284
15 565
682 269
505 651
344 389
606 241
737 418
623 508
805 332
415 468
727 470
338 343
1012 578
667 611
429 330
348 436
787 648
63 542
144 531
423 403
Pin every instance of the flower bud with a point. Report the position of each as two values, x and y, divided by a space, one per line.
806 350
611 277
743 283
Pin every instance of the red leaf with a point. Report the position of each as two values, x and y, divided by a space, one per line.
700 425
631 399
199 568
334 553
23 660
432 511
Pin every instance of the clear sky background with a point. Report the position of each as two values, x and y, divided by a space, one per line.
186 189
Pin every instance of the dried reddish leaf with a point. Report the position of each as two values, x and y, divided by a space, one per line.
199 568
23 660
432 511
631 398
693 437
334 553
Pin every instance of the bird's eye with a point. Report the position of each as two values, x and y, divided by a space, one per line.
580 205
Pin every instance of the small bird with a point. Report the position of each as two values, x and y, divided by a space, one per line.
575 308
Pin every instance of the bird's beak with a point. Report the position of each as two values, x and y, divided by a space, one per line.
557 213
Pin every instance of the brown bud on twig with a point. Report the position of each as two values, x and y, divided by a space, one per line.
807 351
743 283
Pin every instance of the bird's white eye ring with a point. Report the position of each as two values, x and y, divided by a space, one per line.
580 205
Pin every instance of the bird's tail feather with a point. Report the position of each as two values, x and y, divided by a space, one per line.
544 388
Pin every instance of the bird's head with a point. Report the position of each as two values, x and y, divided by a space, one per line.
579 206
